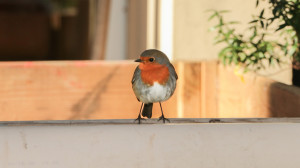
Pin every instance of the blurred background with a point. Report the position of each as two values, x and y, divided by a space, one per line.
116 29
37 30
32 31
83 29
110 29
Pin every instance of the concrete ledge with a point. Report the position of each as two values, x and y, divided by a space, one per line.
150 121
120 143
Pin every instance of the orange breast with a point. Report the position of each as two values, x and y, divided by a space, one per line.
151 73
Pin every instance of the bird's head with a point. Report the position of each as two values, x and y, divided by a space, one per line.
152 58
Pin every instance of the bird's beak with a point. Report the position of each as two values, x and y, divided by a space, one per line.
138 60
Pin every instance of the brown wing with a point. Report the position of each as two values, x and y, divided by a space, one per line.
136 73
172 69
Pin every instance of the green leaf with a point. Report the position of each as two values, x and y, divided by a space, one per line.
254 34
224 11
270 49
213 15
233 22
262 13
223 59
243 57
229 60
292 50
267 25
212 29
271 61
262 24
219 41
224 51
281 27
275 10
230 32
271 20
253 21
235 59
261 55
221 21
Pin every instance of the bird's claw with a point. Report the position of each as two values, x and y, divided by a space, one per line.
163 118
139 119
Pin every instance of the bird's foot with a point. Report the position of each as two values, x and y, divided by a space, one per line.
139 119
162 117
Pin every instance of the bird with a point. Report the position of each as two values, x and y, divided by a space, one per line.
154 80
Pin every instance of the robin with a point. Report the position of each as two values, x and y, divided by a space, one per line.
154 80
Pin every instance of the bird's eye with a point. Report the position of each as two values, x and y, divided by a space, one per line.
151 59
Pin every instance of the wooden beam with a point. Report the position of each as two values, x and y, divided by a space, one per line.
209 84
255 96
189 89
77 90
81 90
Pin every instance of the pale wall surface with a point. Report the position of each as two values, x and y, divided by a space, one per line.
239 145
192 39
116 47
194 42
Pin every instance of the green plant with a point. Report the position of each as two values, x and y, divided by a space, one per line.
287 15
253 51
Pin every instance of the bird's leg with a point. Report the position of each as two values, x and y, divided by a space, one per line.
139 117
162 117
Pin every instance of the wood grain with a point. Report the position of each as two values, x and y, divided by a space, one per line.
256 96
209 94
77 90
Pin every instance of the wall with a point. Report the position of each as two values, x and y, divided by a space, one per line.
123 144
137 28
194 42
192 39
116 47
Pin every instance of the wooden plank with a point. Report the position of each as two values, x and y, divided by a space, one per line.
284 100
64 90
81 90
256 96
189 90
209 95
78 90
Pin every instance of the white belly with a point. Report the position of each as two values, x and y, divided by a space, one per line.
155 93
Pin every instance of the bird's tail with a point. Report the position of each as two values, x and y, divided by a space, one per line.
147 110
